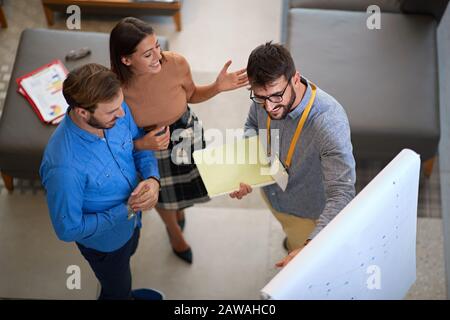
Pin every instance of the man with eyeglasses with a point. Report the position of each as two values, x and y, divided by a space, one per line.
313 134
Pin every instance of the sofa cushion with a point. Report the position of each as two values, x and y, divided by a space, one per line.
436 8
348 5
385 79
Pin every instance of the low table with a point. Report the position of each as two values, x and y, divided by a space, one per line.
23 137
122 7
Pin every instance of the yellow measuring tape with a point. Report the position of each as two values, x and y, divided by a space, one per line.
298 131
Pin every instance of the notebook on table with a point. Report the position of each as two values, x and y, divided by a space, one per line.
43 90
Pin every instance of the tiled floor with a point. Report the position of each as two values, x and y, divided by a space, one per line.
242 239
33 262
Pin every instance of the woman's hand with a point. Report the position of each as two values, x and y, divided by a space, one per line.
154 140
227 81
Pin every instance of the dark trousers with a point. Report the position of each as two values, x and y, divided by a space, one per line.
112 269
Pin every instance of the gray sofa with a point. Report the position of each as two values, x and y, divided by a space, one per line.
386 79
23 136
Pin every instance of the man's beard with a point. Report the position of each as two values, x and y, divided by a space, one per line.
93 122
286 108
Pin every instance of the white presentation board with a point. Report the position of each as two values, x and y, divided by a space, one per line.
368 251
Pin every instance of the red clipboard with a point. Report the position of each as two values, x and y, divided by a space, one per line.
48 114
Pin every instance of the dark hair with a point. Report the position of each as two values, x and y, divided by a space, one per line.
268 62
90 84
124 39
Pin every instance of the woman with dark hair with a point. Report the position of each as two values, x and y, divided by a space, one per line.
157 87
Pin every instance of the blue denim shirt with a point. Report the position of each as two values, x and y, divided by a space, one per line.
322 174
89 180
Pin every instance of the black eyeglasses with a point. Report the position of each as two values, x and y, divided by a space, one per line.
275 98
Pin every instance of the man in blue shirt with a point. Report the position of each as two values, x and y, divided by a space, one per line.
96 183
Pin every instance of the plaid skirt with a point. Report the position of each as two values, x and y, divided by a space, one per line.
181 184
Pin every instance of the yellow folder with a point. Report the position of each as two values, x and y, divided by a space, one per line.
224 167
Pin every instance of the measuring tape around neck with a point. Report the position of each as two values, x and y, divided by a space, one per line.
298 131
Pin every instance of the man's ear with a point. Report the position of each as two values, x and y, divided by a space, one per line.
126 61
82 113
296 78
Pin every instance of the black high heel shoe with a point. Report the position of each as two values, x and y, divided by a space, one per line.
185 255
